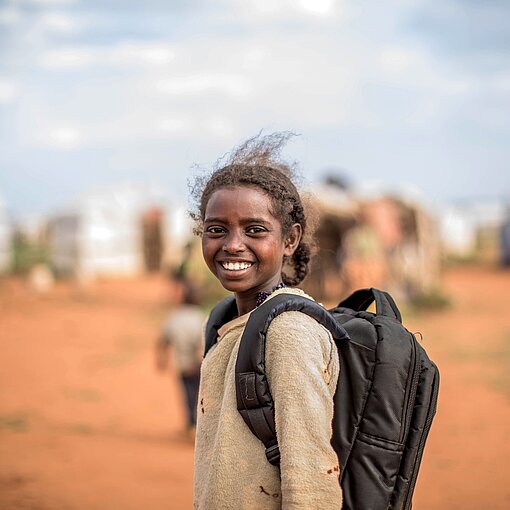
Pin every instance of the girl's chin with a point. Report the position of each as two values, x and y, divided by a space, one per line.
235 286
239 286
245 287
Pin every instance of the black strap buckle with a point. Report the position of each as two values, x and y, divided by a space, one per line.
273 455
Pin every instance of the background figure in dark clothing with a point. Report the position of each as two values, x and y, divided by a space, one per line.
182 336
505 240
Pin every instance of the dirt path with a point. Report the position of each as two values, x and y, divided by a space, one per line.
87 424
465 460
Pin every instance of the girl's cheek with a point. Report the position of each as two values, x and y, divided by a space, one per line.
208 255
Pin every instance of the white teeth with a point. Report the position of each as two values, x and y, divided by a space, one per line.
236 266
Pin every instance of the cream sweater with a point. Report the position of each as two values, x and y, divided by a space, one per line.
231 469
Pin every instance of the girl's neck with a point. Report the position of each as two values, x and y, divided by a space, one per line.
263 295
246 304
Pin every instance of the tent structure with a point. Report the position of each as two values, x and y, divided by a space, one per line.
337 211
476 229
120 231
382 240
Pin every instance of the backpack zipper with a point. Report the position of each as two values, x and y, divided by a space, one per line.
412 394
421 445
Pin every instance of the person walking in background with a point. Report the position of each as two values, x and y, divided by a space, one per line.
505 239
182 336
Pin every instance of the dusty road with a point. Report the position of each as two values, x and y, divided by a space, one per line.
87 424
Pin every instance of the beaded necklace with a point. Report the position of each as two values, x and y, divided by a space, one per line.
263 295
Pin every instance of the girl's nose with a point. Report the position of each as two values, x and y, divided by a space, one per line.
234 243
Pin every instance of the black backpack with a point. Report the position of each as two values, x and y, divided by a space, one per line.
385 400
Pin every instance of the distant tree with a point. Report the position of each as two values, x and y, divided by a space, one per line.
26 254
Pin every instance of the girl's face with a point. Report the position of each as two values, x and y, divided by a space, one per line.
242 241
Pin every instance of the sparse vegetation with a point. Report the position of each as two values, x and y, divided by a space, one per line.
432 300
26 254
16 422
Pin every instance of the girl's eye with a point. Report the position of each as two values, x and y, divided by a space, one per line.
215 230
255 230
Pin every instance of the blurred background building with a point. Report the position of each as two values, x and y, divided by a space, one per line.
122 231
389 239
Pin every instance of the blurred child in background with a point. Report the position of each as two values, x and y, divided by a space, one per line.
182 336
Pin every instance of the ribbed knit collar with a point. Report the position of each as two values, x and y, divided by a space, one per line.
242 319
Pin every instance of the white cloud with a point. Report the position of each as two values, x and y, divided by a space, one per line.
258 82
135 126
254 11
230 84
57 22
219 126
125 54
174 125
46 3
8 91
61 137
253 58
69 58
500 82
320 7
267 6
420 71
208 84
9 16
365 83
396 59
137 52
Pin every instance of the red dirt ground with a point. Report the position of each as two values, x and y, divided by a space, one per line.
86 423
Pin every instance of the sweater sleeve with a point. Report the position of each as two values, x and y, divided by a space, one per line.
302 368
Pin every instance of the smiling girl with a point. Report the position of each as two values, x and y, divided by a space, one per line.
255 240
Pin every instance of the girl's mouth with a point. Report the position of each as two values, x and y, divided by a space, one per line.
235 266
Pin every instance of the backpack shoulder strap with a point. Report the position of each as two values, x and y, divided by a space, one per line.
363 298
224 311
254 400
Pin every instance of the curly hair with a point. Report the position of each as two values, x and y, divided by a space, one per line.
257 162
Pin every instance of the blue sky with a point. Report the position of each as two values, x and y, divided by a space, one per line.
406 93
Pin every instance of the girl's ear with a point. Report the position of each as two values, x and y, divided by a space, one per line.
292 240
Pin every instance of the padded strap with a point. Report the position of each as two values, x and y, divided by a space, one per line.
254 400
384 304
223 312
